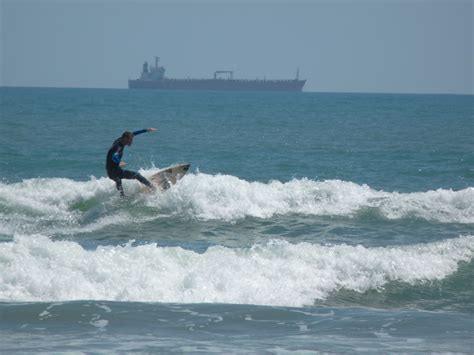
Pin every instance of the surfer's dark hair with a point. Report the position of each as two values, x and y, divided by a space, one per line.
127 134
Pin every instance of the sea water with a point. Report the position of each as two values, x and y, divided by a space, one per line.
326 222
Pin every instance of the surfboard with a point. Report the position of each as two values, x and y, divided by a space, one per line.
165 178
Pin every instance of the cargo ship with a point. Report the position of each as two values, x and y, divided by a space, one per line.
153 77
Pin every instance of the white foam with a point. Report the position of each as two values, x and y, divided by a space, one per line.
229 198
35 268
50 206
52 196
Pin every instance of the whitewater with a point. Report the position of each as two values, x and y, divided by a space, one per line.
27 206
278 273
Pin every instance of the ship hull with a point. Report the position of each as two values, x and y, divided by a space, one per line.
218 84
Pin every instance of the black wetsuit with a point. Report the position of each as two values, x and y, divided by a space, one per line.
112 165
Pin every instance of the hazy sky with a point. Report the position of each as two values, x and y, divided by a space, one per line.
419 46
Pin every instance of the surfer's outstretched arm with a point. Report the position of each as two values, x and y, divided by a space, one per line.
143 131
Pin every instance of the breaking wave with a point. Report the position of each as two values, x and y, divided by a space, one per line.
50 205
36 268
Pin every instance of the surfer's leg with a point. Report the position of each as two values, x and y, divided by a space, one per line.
143 180
118 183
127 174
116 176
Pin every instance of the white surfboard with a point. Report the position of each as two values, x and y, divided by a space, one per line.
167 177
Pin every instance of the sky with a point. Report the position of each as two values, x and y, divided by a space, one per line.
396 46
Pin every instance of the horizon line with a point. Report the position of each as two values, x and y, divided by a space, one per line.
302 92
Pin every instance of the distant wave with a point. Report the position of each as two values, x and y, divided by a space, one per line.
54 204
35 268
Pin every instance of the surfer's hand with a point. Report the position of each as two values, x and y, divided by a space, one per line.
122 163
151 129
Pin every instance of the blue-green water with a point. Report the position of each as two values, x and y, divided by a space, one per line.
330 222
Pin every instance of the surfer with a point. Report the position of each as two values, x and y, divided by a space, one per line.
114 161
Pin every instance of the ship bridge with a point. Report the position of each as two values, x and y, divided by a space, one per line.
230 72
153 73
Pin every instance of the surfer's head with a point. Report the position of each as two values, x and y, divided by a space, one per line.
127 138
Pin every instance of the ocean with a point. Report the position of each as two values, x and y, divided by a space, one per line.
308 222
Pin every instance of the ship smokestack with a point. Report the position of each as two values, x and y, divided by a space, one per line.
156 61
